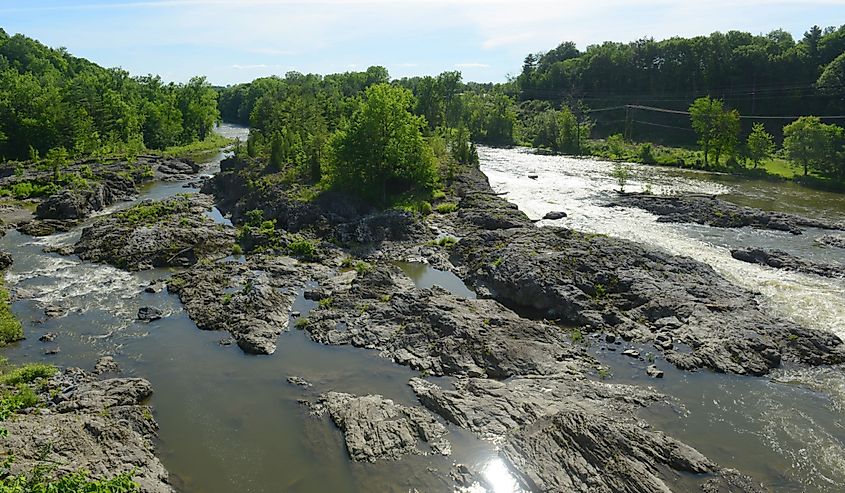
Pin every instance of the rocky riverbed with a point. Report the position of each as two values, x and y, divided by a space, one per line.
85 423
82 188
509 364
713 211
171 232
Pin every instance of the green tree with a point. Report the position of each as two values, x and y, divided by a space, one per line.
759 144
717 128
382 146
198 104
832 80
813 145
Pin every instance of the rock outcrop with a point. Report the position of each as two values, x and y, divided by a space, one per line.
611 285
376 428
837 241
436 332
172 232
101 426
565 434
712 211
251 300
781 260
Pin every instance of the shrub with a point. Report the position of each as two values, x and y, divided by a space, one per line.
28 373
620 172
300 247
446 208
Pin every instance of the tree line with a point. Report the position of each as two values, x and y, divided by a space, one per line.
53 101
771 74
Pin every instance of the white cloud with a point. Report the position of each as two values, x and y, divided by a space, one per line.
472 65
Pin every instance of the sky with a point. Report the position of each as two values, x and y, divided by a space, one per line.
232 41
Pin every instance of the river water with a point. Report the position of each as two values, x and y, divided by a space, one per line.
231 421
787 431
228 421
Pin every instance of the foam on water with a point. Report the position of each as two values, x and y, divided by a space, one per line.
582 187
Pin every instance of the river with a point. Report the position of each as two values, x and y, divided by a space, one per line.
787 431
231 421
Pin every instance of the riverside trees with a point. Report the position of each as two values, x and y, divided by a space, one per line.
813 145
51 99
382 144
716 127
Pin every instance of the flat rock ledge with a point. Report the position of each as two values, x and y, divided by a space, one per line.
169 233
436 332
376 428
251 300
712 211
101 426
561 434
781 260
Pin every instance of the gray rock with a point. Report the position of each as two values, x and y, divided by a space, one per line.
251 300
707 209
781 260
570 434
106 364
654 372
554 215
436 332
54 311
631 353
149 313
51 351
299 381
98 426
48 337
604 284
663 341
376 428
173 232
5 260
837 241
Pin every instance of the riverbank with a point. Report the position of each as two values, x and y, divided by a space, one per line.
773 168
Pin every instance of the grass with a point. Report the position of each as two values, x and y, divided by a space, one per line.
151 213
199 150
359 266
27 374
11 329
779 167
445 242
446 208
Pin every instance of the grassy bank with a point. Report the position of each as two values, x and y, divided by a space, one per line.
201 150
776 167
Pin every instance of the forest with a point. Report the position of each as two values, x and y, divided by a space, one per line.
51 100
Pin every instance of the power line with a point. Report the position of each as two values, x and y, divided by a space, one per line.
686 113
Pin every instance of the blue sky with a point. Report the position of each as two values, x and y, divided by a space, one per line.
234 41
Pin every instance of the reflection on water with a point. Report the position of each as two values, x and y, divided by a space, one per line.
787 431
498 476
426 276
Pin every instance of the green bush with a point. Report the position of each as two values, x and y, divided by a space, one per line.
446 208
77 482
300 247
10 327
27 374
